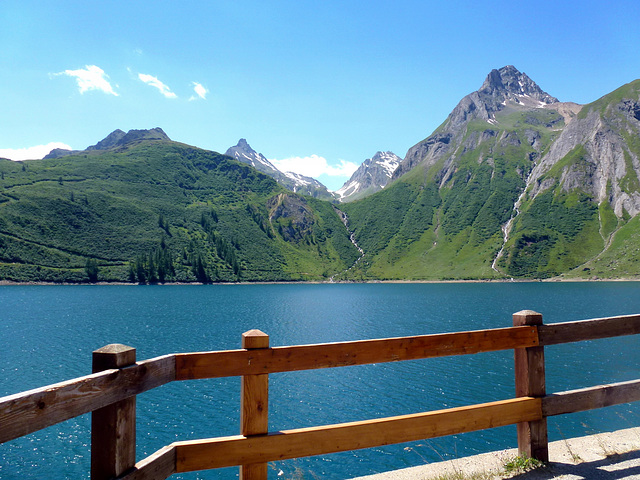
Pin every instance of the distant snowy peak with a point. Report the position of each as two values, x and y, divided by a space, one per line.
245 154
372 176
387 161
290 180
304 182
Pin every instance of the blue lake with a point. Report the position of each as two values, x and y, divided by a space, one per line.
47 334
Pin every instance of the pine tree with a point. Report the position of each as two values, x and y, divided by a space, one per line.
91 268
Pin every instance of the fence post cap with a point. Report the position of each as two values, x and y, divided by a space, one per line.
527 317
115 355
114 348
255 339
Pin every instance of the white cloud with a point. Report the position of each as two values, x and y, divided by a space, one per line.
314 166
154 82
31 153
91 78
200 91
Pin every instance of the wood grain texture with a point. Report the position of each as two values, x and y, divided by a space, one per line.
530 382
33 410
556 333
160 465
113 427
591 398
240 450
191 366
254 402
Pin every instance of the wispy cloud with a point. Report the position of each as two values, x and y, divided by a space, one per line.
200 91
31 153
91 78
154 82
314 166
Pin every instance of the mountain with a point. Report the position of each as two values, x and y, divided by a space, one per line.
141 208
371 176
293 181
115 139
503 92
579 208
514 183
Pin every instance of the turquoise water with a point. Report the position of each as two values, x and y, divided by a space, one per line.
47 334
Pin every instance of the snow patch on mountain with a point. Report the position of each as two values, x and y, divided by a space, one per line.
373 175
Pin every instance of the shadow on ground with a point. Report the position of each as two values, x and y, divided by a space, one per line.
613 467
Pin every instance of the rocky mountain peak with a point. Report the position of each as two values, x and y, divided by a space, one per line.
295 182
242 143
243 152
371 176
109 141
505 88
118 138
508 82
115 139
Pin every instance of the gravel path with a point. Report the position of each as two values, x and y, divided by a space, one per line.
606 456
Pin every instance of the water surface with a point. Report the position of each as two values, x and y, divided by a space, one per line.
47 334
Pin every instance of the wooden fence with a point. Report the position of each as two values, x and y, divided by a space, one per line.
110 393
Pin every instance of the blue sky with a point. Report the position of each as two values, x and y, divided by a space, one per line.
319 86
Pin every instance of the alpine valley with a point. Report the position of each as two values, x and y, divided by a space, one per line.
513 184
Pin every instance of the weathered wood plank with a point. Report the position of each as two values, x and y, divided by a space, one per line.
160 465
240 450
191 366
591 398
254 402
556 333
33 410
530 382
113 428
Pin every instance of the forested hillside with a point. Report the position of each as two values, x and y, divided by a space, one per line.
159 211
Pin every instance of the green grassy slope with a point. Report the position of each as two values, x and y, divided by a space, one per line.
444 222
159 211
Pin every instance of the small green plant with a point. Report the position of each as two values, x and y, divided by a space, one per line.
521 464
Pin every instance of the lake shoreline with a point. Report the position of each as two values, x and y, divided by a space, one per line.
4 283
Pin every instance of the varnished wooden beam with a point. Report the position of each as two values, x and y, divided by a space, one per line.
33 410
241 450
160 465
191 366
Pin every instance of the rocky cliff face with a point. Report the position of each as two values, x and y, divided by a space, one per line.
595 153
503 90
371 176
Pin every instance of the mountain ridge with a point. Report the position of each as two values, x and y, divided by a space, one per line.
295 182
513 184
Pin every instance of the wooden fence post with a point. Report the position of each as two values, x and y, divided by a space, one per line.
113 428
254 403
530 382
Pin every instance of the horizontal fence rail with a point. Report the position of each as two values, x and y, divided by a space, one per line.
237 450
33 410
109 392
557 333
191 366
